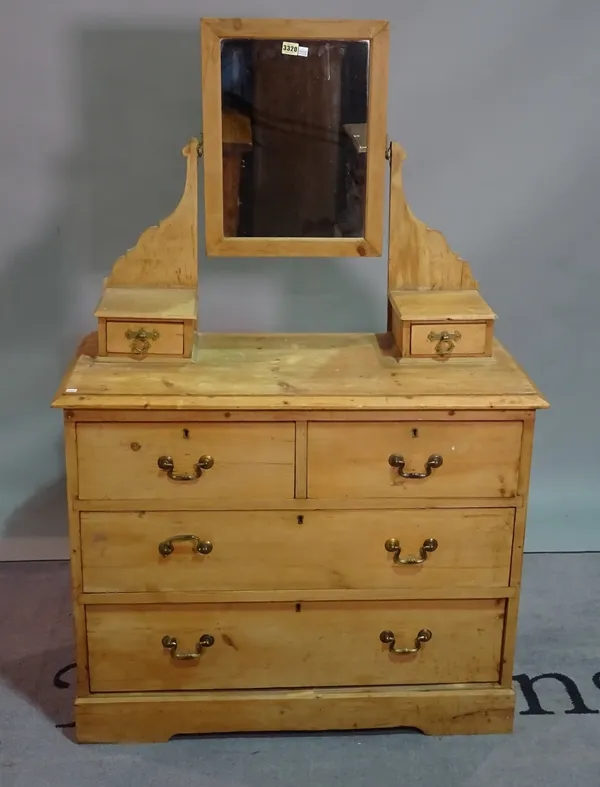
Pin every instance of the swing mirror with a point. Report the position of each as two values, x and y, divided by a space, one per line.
294 136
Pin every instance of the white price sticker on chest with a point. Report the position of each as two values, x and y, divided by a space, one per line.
290 48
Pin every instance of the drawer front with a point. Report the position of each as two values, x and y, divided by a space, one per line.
214 461
271 550
362 460
284 645
144 338
426 339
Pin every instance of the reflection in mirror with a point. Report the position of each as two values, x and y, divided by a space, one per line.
294 120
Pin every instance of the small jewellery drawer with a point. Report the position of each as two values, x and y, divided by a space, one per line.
145 461
144 338
252 645
276 550
442 324
434 340
414 459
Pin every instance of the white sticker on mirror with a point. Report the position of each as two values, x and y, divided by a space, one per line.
289 48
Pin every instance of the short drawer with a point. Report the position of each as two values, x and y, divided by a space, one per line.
432 340
248 645
423 459
144 338
276 550
142 461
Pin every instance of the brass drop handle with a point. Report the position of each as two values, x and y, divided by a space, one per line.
389 638
445 341
140 340
167 547
170 643
397 461
393 545
166 463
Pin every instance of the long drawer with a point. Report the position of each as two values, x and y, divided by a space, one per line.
271 550
212 646
129 461
418 459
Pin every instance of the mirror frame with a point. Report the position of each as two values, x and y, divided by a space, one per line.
377 33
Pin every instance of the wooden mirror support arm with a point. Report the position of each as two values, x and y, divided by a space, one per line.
419 258
166 255
149 304
435 309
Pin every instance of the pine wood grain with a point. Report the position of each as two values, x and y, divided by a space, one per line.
231 416
440 305
120 461
143 303
282 644
76 572
301 460
418 257
294 504
276 550
169 341
166 255
510 631
351 460
320 29
472 340
251 596
441 710
313 371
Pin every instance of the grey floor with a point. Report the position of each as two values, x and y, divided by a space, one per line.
557 744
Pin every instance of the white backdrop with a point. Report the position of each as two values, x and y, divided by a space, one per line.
496 103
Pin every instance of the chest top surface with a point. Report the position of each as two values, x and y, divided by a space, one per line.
297 371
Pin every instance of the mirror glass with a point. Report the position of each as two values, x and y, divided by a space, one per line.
294 130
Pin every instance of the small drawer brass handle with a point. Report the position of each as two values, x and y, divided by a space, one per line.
397 461
166 463
445 341
389 638
393 545
140 340
167 547
170 643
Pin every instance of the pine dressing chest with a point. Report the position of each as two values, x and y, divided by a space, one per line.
303 531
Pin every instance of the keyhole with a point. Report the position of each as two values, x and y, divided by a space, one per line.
298 607
300 519
186 433
415 432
